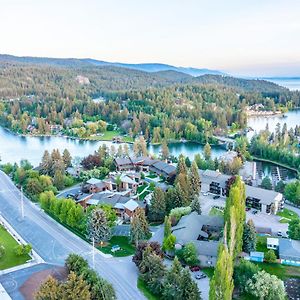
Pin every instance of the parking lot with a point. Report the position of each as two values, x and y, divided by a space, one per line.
259 219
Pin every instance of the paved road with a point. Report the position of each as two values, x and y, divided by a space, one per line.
53 242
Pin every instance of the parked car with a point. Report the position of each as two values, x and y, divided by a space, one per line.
115 248
216 197
194 268
279 233
200 276
205 194
248 208
254 212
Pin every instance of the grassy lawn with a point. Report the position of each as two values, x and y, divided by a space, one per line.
143 195
10 259
287 215
141 188
152 176
281 271
123 241
215 212
109 135
144 289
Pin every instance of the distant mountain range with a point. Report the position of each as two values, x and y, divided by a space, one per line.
78 62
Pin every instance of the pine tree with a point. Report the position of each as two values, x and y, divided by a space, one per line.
49 290
221 284
153 271
167 227
173 282
195 205
164 150
75 288
140 147
97 226
207 151
189 286
249 237
158 205
181 166
46 163
195 180
139 228
67 159
58 180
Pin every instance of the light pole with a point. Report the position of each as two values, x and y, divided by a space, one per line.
93 253
22 204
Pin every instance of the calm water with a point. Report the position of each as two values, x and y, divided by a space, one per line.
291 118
290 83
13 148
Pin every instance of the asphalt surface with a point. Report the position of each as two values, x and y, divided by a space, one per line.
54 243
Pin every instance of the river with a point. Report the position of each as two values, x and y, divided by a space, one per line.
13 148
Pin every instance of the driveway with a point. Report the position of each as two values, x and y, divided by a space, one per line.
203 285
207 202
263 220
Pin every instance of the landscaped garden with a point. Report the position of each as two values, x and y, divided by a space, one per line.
126 248
9 258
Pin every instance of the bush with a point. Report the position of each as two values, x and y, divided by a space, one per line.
270 256
190 254
68 181
179 212
22 249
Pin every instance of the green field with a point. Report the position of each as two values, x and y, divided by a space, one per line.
123 241
9 259
281 271
109 135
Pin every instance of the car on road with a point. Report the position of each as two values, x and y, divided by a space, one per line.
216 197
195 268
254 212
205 194
200 276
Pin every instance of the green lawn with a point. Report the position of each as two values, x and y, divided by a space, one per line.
287 215
123 241
144 289
10 259
216 212
141 188
109 135
281 271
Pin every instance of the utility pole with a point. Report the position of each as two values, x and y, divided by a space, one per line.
93 253
22 204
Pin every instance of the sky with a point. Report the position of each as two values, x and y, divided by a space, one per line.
250 38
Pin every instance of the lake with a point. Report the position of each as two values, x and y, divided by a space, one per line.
290 83
13 148
291 118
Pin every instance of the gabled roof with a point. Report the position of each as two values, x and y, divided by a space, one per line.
93 181
131 205
265 196
289 249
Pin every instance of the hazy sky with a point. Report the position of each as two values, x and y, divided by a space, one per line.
257 37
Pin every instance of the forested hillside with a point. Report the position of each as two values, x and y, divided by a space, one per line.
160 105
